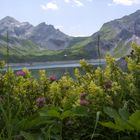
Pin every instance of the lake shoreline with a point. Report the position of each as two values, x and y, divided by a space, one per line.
52 63
55 64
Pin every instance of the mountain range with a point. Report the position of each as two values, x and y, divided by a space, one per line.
28 43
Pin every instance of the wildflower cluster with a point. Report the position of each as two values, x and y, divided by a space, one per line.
68 108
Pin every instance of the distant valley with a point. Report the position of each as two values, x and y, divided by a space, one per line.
41 43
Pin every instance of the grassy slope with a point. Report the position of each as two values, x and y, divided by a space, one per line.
27 51
121 49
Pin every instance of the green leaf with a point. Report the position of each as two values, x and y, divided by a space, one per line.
123 112
27 136
50 113
123 124
111 112
66 114
134 120
32 122
97 120
111 125
126 138
80 111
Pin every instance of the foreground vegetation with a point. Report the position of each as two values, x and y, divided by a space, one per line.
98 104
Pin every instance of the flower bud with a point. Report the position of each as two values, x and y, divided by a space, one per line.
41 101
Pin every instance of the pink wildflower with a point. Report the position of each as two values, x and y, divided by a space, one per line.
20 73
52 78
41 101
84 102
83 95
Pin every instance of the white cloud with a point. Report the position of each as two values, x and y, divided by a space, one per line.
50 6
75 2
126 2
78 3
67 1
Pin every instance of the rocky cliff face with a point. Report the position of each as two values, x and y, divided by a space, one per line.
46 36
43 35
14 27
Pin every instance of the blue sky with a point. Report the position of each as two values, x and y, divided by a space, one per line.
73 17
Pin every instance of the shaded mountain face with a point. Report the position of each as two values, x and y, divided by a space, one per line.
46 36
43 35
44 42
117 35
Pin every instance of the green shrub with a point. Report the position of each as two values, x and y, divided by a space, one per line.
50 108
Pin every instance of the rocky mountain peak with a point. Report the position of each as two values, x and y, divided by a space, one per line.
42 24
9 21
14 27
47 36
45 27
